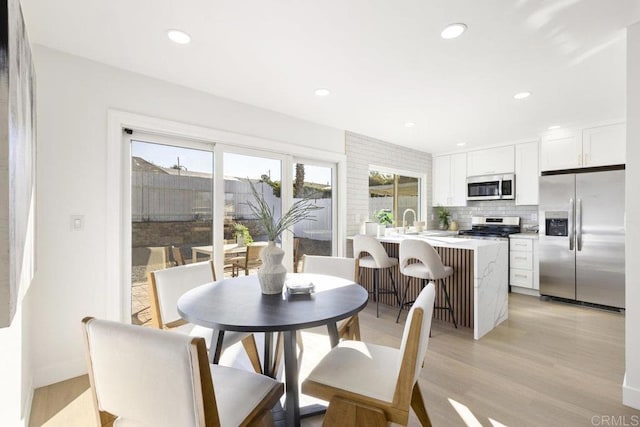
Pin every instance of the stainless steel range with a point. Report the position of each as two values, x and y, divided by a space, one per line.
492 227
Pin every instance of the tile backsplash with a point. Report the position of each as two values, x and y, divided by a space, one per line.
462 215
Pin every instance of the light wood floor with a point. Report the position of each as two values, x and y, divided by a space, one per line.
550 364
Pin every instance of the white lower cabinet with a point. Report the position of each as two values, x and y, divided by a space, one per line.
523 261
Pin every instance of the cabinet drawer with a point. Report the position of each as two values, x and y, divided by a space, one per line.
521 260
521 245
522 278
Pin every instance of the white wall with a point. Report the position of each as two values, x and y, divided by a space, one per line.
73 96
364 151
631 389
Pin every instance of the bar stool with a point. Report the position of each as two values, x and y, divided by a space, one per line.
376 260
429 267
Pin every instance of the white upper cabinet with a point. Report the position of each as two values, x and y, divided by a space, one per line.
490 161
441 180
604 145
527 173
561 150
450 180
459 179
574 148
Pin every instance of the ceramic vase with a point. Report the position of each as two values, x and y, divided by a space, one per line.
272 273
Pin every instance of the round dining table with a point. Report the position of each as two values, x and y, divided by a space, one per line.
237 304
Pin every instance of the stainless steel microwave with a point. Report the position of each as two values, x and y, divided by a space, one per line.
491 187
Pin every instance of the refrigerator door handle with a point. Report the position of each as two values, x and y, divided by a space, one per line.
572 211
579 225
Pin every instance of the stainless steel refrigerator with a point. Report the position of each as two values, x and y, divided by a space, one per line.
581 235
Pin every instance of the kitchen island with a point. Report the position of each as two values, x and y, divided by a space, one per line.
478 287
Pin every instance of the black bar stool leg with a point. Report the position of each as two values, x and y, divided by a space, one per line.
446 295
393 285
404 298
376 288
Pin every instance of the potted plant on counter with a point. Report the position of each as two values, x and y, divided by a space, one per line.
443 216
385 219
272 273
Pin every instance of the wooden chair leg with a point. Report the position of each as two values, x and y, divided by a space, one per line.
249 344
417 403
354 329
346 413
350 330
278 355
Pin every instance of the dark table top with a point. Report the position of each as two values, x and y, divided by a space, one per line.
236 304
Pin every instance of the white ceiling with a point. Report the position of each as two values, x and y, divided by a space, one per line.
384 61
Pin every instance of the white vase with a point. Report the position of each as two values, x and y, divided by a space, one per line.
272 273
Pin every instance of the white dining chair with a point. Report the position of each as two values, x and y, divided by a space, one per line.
147 377
345 268
369 384
167 286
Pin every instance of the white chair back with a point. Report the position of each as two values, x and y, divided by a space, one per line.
425 301
147 377
172 283
363 243
344 268
423 252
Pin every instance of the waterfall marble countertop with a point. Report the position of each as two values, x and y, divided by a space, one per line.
443 241
490 276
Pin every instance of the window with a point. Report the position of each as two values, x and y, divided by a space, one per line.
391 194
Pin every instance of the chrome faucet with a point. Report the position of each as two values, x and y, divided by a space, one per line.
404 221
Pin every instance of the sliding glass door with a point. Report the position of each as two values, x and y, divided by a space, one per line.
171 210
186 202
241 230
317 236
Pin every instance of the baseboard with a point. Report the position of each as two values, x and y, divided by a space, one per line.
630 395
55 373
525 291
26 405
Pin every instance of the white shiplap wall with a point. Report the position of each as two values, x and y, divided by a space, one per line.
362 152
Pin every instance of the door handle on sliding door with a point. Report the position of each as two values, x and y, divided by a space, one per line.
579 225
572 211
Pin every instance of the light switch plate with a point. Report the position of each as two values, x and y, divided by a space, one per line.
77 222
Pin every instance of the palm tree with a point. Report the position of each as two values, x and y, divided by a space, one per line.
298 185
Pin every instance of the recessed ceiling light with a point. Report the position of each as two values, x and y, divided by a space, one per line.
522 95
409 124
554 127
322 92
453 30
461 144
178 36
